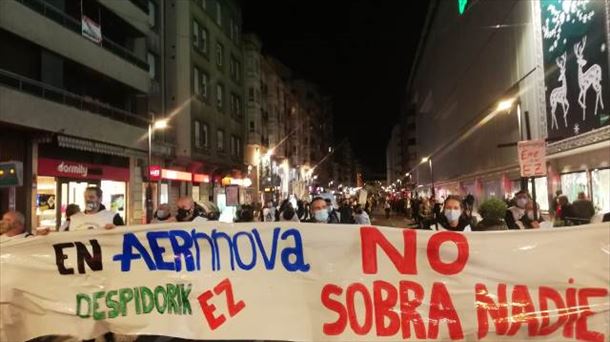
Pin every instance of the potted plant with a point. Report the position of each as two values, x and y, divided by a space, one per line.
492 211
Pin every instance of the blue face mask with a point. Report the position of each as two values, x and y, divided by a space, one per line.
321 215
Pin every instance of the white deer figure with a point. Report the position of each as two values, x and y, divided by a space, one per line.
592 77
559 94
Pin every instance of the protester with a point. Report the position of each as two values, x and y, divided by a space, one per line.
163 214
12 226
426 214
452 216
332 212
515 213
583 208
532 217
319 212
245 214
289 214
71 209
387 207
95 216
565 212
361 216
554 206
269 212
346 212
189 210
302 211
416 204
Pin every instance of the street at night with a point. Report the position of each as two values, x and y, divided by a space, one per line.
271 170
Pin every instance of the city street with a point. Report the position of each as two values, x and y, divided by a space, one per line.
378 219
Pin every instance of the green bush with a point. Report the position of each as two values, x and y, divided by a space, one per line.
493 209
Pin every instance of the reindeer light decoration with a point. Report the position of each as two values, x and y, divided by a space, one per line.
559 95
592 77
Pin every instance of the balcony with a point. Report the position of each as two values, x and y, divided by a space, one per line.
70 23
34 105
120 54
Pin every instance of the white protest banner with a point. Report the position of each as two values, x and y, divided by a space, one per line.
91 30
532 157
308 282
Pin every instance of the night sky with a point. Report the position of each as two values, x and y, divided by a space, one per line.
360 53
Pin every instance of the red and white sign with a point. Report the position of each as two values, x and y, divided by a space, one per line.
79 170
154 173
532 158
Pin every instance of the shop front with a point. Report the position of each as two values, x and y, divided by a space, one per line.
60 182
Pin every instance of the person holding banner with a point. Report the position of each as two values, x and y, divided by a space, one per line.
453 217
189 211
529 220
319 212
163 214
12 226
95 216
516 212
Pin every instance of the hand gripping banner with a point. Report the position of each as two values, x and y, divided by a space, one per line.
308 282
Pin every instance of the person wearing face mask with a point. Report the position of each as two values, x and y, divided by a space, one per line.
516 212
531 220
452 217
95 216
163 214
319 212
333 214
189 211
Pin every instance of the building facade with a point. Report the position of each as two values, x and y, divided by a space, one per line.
205 95
520 75
289 128
394 156
74 103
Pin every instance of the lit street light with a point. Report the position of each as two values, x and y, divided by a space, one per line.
505 105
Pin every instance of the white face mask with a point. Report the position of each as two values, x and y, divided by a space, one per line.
453 215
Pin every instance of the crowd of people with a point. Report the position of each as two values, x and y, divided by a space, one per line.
517 212
450 213
96 216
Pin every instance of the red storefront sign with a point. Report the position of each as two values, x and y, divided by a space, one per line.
79 170
154 173
201 178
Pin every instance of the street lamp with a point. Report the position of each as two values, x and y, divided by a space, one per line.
152 126
505 105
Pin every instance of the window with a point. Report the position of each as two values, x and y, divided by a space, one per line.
220 54
233 146
196 81
573 183
238 147
196 31
251 94
600 181
198 140
238 111
152 14
204 40
205 136
231 27
236 32
218 14
204 84
152 65
251 126
234 69
220 96
220 140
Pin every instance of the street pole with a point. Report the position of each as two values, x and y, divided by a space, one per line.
431 177
149 209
